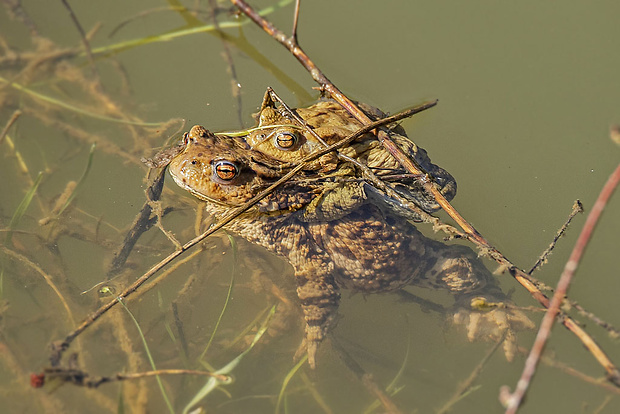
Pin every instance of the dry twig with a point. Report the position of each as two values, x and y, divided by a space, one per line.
142 223
577 208
81 378
365 378
83 37
9 124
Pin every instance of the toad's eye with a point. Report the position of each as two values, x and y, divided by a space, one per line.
285 140
225 170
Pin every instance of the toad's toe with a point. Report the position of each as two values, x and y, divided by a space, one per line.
494 324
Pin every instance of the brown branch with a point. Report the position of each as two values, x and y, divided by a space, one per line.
566 369
296 20
466 386
142 223
577 208
49 279
81 378
234 80
9 124
16 11
366 379
569 270
83 37
472 234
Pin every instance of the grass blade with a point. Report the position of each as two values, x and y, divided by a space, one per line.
287 379
73 108
228 296
82 178
21 209
165 37
148 353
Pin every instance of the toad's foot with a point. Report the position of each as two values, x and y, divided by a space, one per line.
492 324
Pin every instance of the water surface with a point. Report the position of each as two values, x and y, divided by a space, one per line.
527 92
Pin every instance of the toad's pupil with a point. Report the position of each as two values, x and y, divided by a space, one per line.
285 140
226 170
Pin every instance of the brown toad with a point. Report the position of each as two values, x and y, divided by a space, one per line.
365 249
290 135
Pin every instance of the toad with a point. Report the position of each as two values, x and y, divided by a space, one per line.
289 135
361 247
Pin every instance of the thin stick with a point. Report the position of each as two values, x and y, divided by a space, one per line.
140 225
145 13
577 208
566 369
75 108
83 36
612 331
9 124
48 278
529 370
366 379
234 80
58 347
471 233
78 377
465 387
296 19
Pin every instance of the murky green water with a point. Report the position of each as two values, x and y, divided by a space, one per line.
527 93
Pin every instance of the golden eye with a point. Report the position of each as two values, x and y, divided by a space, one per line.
285 140
225 170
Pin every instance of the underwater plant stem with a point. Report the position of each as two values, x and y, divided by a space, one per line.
95 382
231 284
287 379
140 225
150 357
48 278
9 124
235 84
366 379
73 108
465 387
85 42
